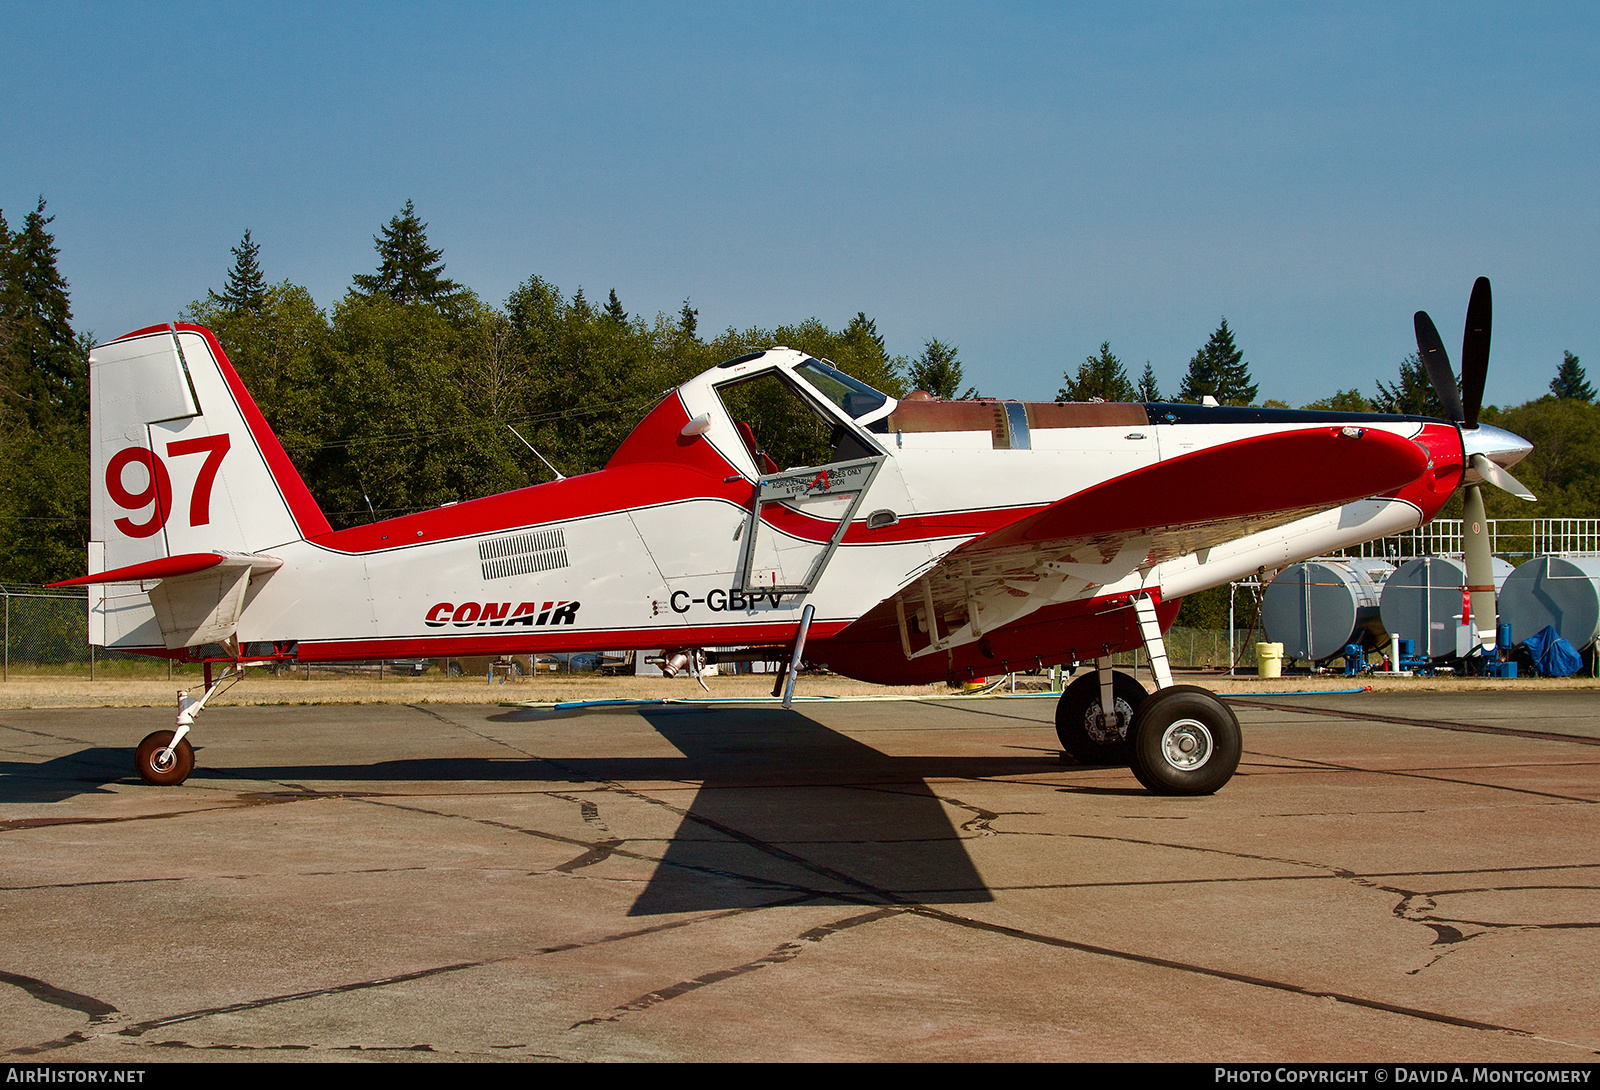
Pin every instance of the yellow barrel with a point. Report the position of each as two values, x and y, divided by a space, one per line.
1269 660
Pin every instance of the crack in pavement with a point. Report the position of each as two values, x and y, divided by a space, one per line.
1222 974
611 848
100 1011
1431 724
786 951
1313 765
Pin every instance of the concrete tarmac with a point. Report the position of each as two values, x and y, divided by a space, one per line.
1389 877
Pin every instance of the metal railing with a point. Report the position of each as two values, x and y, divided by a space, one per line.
1507 537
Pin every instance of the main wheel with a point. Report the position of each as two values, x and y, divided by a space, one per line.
1078 719
157 772
1184 741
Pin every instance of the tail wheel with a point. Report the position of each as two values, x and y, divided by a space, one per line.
1184 741
1078 723
159 769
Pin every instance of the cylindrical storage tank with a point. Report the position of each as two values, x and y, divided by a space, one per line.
1560 591
1422 601
1316 607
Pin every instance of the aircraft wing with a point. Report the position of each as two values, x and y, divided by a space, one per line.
1109 531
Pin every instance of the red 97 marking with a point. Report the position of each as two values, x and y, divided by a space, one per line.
157 488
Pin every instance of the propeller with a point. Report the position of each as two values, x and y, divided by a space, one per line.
1462 406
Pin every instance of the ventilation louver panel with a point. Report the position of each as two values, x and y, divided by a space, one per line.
523 554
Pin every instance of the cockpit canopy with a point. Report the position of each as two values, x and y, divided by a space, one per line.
783 423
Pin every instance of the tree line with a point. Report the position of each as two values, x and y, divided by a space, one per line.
410 391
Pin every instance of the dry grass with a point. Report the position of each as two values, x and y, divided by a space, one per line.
135 685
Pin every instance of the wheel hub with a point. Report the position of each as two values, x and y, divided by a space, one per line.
1101 731
1186 744
163 759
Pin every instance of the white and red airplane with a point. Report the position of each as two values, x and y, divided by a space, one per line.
920 540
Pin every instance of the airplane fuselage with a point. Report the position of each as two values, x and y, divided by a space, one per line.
686 539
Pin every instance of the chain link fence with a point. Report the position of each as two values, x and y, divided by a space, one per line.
1199 649
48 627
44 627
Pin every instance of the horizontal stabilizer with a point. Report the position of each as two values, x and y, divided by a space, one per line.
197 597
166 567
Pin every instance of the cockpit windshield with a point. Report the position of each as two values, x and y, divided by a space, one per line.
856 398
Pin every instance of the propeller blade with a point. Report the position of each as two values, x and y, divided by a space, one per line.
1431 349
1475 350
1480 565
1500 478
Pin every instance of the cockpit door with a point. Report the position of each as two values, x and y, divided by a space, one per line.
797 521
814 463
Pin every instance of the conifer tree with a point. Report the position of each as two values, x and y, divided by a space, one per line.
1570 382
6 239
44 405
614 309
409 270
1148 390
1100 378
688 319
938 371
46 367
866 329
1219 369
246 288
1411 396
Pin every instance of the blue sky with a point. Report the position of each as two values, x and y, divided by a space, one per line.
1022 180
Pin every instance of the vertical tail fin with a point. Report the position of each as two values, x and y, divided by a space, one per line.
182 466
182 461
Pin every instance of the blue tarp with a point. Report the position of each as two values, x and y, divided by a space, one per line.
1552 655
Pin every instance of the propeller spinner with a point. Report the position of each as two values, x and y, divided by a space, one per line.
1488 450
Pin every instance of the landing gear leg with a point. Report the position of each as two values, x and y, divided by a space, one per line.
1086 732
165 758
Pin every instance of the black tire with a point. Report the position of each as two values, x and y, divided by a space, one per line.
152 772
455 670
1184 741
1078 724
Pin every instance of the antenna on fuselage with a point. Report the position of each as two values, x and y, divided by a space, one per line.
559 475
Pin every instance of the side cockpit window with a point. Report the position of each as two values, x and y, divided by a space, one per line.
782 429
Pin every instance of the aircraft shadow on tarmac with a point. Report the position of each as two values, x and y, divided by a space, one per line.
787 810
86 772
